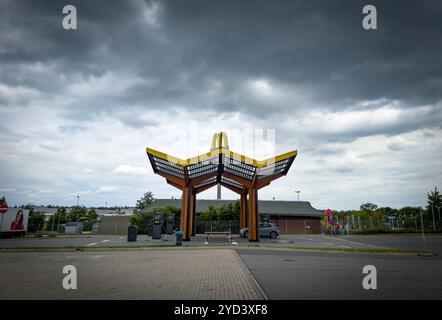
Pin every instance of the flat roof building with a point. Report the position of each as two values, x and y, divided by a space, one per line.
291 216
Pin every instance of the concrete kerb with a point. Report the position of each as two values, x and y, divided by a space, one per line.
199 247
251 276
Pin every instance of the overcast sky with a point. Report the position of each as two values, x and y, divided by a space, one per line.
79 107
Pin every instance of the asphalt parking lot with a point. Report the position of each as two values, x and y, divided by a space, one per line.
412 242
433 243
294 275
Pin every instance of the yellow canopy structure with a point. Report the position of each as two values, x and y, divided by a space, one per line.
234 171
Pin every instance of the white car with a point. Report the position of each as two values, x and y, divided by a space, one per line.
266 229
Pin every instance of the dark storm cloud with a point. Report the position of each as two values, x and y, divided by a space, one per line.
320 45
79 106
317 47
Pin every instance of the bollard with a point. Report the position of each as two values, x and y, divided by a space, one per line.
179 238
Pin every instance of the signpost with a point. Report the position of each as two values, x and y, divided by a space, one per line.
391 217
3 210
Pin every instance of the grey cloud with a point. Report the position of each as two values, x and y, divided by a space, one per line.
395 146
318 47
71 129
343 169
199 59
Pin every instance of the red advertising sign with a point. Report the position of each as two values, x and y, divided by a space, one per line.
3 208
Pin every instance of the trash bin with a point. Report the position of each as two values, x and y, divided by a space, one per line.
132 233
149 230
179 238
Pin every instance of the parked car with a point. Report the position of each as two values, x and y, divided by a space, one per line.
265 230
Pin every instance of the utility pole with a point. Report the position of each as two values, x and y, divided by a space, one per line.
422 228
432 213
438 220
53 222
58 224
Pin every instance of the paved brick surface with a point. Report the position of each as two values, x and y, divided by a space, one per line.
149 274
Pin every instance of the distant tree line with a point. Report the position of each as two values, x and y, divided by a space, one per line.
37 222
142 217
376 217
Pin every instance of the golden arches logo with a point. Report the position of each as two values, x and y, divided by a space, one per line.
219 140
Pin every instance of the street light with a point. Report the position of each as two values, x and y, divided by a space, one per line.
298 192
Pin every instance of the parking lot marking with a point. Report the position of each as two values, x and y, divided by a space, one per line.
91 244
360 243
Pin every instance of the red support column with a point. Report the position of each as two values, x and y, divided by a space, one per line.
184 222
243 211
194 213
253 215
191 213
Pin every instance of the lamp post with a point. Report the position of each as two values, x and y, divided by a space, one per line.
298 192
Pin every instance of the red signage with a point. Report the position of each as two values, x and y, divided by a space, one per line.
3 208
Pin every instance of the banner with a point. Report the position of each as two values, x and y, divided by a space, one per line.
14 220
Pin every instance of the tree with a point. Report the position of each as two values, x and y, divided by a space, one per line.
36 221
90 219
92 215
226 212
28 206
210 214
77 214
58 218
368 207
434 198
230 211
146 200
143 219
81 214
